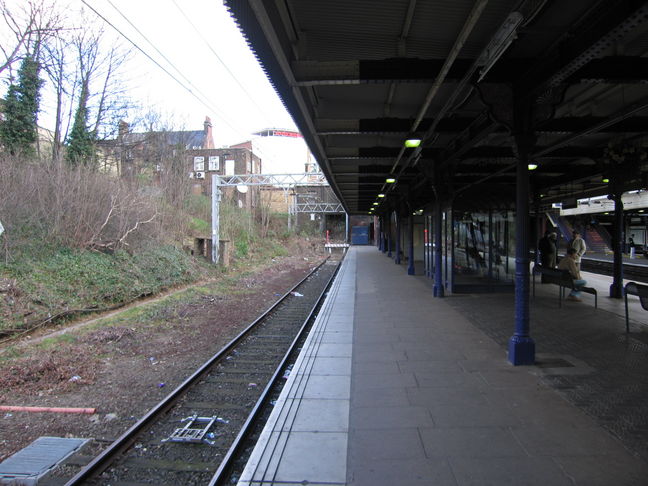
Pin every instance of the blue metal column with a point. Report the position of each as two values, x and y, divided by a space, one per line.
438 240
521 349
410 250
397 258
427 254
616 289
383 234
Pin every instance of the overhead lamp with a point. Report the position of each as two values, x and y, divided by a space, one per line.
375 204
533 166
501 41
412 142
605 180
390 180
640 211
381 195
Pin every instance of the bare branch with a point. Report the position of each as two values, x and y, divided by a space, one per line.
134 228
30 24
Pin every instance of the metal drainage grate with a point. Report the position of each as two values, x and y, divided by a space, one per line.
28 465
553 363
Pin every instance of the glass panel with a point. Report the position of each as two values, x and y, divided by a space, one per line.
483 247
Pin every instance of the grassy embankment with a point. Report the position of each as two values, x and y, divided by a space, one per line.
78 240
44 284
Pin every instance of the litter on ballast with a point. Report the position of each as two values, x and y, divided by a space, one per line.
187 434
287 372
297 294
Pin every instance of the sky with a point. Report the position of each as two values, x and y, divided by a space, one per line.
207 53
200 45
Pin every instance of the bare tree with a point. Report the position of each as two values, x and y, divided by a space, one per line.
85 67
55 65
28 25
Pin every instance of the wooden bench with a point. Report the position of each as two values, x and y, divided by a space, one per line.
641 291
564 280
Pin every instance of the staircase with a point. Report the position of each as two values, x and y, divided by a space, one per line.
562 225
594 241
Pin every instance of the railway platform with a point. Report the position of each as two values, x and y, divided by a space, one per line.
396 387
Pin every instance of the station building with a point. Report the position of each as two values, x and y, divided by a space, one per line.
462 128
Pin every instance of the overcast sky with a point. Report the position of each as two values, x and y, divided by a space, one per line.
203 43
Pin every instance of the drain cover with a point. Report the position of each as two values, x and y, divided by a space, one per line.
26 466
553 363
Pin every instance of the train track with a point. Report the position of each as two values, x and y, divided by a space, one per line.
184 438
638 273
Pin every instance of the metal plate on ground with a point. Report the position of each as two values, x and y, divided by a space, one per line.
553 363
559 364
28 465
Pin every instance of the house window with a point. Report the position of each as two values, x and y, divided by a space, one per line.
214 162
229 167
199 163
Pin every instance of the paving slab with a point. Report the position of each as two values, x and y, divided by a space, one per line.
397 387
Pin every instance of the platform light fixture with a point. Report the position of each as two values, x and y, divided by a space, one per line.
381 195
375 203
390 180
501 41
412 142
605 180
533 166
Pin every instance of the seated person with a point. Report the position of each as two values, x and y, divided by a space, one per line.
569 263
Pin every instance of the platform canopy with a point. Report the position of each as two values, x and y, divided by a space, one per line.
362 77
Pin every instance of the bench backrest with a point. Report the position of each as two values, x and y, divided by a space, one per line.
555 275
641 291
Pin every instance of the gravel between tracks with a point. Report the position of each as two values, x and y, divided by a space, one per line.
113 367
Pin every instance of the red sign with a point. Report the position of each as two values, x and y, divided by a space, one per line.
284 133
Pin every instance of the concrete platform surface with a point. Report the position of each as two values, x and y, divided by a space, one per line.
395 387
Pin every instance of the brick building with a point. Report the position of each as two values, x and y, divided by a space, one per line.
135 153
203 163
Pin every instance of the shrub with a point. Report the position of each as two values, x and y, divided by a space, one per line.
242 248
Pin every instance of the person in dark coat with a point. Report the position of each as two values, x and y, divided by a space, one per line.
547 249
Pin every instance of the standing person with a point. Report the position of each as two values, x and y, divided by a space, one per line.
578 244
569 263
547 249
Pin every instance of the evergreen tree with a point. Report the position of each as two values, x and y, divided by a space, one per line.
19 130
80 143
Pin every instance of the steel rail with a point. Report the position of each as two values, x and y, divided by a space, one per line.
122 443
231 455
